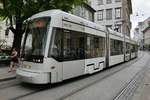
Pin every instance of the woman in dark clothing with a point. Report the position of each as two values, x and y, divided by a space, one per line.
14 60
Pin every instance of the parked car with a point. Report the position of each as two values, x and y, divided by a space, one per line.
4 58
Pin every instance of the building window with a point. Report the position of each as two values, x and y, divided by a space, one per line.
83 14
77 11
108 1
90 16
118 28
118 13
108 14
100 15
118 0
100 2
109 26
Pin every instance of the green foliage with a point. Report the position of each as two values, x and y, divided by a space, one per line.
20 10
30 7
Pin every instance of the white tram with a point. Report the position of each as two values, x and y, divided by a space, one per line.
116 53
59 46
133 49
127 48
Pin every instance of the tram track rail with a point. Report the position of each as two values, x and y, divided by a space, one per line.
120 68
16 98
9 83
127 91
117 69
7 79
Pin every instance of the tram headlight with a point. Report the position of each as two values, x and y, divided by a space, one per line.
37 60
33 60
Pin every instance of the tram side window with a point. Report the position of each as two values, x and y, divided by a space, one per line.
101 47
55 50
69 45
88 48
73 45
127 48
95 46
116 47
92 47
133 48
136 48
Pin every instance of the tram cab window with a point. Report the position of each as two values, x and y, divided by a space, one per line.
55 49
35 38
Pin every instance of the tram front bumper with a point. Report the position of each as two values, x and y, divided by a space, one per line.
33 77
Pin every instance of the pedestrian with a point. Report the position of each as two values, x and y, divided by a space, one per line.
14 60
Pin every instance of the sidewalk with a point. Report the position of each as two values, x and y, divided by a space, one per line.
143 91
4 74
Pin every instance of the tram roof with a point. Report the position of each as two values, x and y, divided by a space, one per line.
70 17
127 37
115 33
133 41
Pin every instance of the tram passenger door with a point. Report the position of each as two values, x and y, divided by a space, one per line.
127 52
95 54
73 54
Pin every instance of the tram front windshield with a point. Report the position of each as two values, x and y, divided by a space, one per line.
33 47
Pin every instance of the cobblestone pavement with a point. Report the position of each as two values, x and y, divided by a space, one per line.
143 92
4 74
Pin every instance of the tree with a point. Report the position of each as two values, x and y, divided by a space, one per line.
20 10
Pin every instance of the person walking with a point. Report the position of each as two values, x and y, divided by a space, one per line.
14 60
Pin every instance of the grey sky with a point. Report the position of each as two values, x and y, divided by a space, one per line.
141 11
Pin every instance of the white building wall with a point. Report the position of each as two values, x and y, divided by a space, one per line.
147 37
123 22
144 28
84 12
138 37
105 6
8 38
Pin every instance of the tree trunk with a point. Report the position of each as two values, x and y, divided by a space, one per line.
17 40
18 32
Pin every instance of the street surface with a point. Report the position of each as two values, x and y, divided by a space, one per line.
143 92
111 84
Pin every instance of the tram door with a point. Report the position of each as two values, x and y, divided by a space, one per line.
73 54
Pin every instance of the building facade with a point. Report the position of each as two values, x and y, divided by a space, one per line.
113 14
6 36
85 11
139 38
145 29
